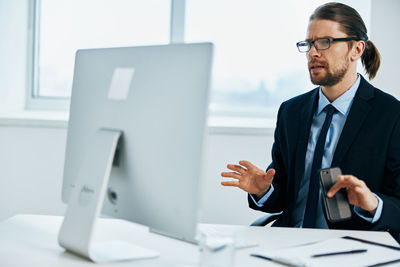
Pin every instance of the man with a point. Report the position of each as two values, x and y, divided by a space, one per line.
345 122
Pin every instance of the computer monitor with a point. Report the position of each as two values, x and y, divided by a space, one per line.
148 105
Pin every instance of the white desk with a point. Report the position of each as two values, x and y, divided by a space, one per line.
31 240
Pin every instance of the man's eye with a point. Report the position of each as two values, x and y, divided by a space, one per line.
324 41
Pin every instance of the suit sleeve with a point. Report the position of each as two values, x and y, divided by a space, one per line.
390 194
275 202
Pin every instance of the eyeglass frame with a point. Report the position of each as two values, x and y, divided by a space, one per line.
331 40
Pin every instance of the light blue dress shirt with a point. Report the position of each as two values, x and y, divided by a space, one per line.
342 105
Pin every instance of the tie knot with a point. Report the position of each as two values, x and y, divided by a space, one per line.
329 110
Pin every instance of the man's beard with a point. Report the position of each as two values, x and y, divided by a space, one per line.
331 78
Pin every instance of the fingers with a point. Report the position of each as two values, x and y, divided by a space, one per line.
358 192
348 182
247 164
236 168
234 175
230 183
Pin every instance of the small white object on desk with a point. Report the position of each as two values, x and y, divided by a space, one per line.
216 250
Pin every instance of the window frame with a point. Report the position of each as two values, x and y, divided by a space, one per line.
33 100
177 35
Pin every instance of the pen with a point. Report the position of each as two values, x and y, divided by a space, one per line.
284 261
340 253
370 242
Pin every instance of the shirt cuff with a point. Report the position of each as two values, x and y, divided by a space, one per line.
264 199
366 215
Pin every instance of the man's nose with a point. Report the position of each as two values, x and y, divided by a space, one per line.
313 52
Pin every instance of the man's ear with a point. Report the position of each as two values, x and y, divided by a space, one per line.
357 50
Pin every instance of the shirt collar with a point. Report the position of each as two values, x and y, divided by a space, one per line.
342 103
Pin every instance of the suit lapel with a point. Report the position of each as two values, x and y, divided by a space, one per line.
357 115
305 121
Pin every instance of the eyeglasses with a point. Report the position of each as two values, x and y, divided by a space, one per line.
321 43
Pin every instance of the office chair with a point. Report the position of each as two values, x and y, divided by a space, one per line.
266 219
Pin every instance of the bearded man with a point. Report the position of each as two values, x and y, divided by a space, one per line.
345 122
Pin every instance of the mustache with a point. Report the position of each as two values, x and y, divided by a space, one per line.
317 63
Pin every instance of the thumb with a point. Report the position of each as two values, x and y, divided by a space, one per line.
269 175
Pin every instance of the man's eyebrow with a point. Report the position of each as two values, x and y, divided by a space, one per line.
322 37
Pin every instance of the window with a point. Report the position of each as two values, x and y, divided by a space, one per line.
68 25
256 63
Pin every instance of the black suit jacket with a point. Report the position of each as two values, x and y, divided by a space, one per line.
368 148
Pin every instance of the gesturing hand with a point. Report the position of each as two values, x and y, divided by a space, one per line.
249 178
357 192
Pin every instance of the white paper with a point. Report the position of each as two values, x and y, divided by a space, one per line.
375 254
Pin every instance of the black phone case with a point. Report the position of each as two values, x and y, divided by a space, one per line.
337 208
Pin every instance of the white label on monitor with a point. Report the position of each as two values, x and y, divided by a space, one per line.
120 83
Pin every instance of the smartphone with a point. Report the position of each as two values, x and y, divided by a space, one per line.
337 208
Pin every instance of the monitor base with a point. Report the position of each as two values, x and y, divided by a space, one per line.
87 198
111 251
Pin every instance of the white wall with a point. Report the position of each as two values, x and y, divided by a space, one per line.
385 29
226 204
32 165
31 158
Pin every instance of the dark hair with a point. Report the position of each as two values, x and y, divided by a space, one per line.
353 25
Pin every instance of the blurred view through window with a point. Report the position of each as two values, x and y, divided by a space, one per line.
256 63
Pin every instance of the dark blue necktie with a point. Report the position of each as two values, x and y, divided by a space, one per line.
313 191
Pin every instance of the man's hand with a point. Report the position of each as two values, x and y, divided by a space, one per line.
357 192
249 178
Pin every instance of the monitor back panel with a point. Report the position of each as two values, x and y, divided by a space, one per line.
158 97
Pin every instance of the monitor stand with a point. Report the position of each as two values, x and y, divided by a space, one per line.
86 201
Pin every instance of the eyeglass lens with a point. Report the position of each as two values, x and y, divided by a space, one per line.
320 44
